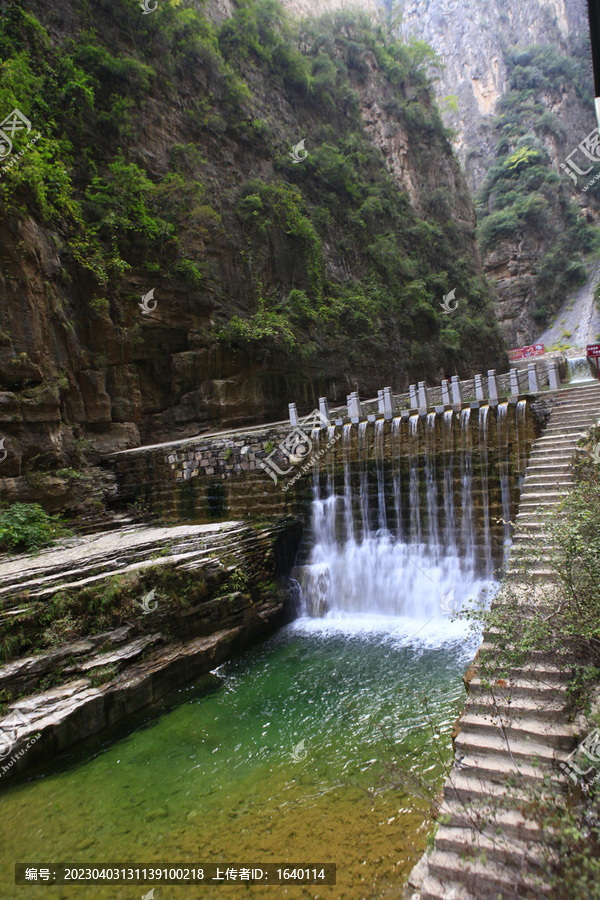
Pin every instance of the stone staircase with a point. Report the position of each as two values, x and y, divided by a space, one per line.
512 736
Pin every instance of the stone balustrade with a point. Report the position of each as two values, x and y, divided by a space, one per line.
453 394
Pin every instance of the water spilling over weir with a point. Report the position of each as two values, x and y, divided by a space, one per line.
579 370
411 517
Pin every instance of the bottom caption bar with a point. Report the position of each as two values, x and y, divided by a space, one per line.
198 873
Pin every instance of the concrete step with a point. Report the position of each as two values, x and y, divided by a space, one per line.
516 573
562 480
451 839
561 440
506 770
497 746
520 687
538 658
541 674
543 493
553 454
488 820
516 708
575 430
548 454
432 889
472 789
537 514
490 879
558 735
549 467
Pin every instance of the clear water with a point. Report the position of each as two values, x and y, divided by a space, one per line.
213 776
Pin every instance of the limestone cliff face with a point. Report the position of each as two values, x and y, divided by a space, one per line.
272 281
472 39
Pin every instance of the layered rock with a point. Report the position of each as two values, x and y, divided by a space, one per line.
178 602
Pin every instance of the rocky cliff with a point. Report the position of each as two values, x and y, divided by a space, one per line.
101 628
515 74
518 75
162 167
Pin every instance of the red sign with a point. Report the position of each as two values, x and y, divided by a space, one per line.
526 352
593 350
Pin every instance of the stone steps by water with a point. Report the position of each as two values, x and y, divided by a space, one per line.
515 732
513 706
483 879
496 748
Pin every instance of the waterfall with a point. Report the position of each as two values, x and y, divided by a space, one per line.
579 370
431 486
323 510
330 469
485 494
503 468
448 455
315 461
521 429
318 511
466 481
364 478
397 478
379 441
408 573
346 448
414 495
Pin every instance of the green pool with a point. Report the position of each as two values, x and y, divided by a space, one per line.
293 752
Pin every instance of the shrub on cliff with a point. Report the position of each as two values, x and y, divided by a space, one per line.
523 197
26 526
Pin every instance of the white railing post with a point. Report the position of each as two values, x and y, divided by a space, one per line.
492 385
456 391
533 379
445 392
478 388
388 404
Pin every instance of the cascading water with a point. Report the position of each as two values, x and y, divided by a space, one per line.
521 429
579 370
330 469
397 478
426 572
503 467
431 487
448 451
379 441
364 478
485 494
466 480
415 501
346 449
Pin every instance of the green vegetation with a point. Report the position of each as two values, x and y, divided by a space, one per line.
522 193
26 526
333 261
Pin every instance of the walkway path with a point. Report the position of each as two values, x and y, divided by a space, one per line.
518 732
